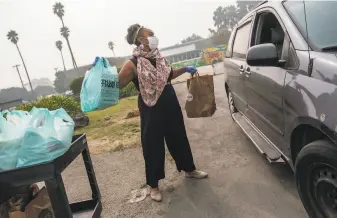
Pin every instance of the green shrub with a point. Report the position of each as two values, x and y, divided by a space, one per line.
76 85
129 90
55 102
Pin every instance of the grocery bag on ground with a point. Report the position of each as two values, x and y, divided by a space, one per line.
200 100
10 142
100 87
48 136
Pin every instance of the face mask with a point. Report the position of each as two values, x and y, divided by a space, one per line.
153 42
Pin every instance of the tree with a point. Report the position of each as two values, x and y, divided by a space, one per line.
112 47
243 7
192 38
44 90
14 93
58 9
14 38
220 37
59 47
227 17
61 82
76 85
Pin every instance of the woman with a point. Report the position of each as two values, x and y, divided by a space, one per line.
160 112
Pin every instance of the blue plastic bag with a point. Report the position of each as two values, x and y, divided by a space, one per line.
20 119
100 87
48 136
11 135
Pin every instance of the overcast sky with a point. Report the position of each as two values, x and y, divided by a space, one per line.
92 24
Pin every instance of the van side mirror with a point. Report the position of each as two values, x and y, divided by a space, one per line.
262 55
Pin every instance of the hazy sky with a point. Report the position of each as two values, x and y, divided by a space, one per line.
92 23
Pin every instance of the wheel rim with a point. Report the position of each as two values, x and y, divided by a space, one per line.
324 189
231 102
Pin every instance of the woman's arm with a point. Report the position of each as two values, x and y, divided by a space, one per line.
189 69
126 74
178 72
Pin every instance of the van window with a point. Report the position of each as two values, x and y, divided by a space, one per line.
241 41
321 21
268 30
230 45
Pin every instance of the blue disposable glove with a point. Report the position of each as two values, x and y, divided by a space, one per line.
191 69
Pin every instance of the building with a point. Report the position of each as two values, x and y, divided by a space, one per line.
186 51
175 53
10 105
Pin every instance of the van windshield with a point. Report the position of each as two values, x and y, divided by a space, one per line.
321 19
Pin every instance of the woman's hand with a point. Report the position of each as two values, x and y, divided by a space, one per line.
191 69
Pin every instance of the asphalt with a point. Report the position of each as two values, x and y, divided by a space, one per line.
242 184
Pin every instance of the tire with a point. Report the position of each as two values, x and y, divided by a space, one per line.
231 104
316 178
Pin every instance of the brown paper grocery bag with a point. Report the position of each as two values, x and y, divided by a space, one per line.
200 100
39 207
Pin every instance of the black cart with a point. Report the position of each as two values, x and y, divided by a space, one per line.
50 173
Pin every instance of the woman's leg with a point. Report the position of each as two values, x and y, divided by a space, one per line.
152 138
175 135
177 141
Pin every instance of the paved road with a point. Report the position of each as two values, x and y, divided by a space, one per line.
242 183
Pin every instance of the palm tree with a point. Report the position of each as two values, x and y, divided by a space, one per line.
59 47
112 47
65 33
58 9
14 38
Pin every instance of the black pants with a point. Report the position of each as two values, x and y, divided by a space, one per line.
164 122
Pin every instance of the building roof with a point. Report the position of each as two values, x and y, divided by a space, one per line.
200 44
19 99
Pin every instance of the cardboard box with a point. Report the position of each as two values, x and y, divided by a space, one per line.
39 207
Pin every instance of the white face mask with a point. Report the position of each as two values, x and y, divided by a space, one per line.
153 42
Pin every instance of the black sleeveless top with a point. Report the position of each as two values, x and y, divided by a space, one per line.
153 62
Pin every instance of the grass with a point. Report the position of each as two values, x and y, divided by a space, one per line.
109 131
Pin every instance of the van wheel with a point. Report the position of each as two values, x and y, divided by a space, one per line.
231 104
316 178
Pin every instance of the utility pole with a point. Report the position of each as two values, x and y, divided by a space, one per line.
17 69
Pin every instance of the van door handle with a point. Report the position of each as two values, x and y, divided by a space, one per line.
241 69
247 71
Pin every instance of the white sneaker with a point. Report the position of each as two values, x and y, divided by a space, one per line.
196 174
156 195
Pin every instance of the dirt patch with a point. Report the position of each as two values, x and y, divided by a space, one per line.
132 114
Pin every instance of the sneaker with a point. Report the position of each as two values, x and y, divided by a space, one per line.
156 195
196 174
